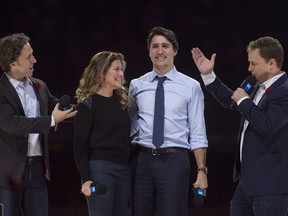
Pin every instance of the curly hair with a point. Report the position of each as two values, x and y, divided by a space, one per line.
10 49
94 76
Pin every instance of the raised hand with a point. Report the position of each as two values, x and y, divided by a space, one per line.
204 65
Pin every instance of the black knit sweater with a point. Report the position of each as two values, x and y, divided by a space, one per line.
102 131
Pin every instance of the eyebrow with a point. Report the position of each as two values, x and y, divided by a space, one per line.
166 44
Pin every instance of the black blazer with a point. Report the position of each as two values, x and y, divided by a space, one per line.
15 127
264 166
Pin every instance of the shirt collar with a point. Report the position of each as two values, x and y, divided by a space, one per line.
171 75
15 82
270 81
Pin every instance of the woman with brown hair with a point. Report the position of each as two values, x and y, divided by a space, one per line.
102 130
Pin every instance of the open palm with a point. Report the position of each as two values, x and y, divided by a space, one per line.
204 65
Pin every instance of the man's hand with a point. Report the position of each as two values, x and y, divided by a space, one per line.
201 181
204 65
86 188
59 115
238 94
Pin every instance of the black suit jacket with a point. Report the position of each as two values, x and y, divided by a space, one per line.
264 166
15 127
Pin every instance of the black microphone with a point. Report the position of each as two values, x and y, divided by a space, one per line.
64 102
97 189
199 196
248 85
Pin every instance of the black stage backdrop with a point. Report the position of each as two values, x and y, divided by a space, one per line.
65 35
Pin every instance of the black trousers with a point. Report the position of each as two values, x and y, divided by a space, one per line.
160 184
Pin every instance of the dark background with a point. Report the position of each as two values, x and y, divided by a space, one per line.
66 34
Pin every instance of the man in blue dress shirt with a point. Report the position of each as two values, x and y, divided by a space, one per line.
160 174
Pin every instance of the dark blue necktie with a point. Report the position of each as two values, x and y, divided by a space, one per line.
158 126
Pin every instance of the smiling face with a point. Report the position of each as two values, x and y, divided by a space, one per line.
114 76
162 54
23 66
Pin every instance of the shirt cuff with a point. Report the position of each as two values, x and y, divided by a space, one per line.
239 101
208 78
52 121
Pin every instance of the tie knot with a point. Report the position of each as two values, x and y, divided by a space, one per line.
161 80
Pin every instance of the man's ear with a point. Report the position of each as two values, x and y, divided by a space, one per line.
13 64
272 64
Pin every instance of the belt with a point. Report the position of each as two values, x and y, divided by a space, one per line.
34 160
161 151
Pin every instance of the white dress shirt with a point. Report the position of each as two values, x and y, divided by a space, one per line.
31 108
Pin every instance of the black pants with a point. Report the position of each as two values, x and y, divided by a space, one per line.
160 184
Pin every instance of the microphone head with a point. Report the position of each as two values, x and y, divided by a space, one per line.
248 84
64 102
199 195
198 201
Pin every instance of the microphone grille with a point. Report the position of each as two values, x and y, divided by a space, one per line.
198 201
65 101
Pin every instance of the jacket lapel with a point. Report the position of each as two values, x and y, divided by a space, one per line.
278 82
38 92
12 94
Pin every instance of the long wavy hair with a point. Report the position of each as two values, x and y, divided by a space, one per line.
94 76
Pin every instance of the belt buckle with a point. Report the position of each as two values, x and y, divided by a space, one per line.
30 160
154 152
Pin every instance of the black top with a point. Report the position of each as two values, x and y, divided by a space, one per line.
102 131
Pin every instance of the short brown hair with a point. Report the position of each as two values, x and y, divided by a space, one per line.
168 34
269 48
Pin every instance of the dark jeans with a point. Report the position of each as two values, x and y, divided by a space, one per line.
264 205
160 184
116 177
31 198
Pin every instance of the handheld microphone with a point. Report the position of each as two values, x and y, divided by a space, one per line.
97 189
248 86
64 102
199 196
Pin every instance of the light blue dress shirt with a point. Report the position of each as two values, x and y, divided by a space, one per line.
31 108
184 123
